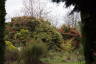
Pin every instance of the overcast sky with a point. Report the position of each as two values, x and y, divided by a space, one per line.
13 7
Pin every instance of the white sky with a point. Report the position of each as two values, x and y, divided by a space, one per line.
13 7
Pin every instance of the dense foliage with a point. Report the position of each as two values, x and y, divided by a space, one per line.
30 39
70 34
23 30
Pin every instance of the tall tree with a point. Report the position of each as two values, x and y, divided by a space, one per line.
2 27
88 20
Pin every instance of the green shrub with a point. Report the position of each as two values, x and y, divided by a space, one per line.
11 53
67 45
33 52
10 46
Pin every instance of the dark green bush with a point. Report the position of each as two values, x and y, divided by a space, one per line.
32 53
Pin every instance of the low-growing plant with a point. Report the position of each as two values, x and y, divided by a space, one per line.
33 52
10 46
11 53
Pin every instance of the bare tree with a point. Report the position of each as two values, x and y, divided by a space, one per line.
28 7
34 8
72 20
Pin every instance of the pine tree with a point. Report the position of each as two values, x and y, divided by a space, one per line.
88 20
2 27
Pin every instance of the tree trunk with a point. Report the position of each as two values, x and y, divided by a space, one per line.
89 37
2 27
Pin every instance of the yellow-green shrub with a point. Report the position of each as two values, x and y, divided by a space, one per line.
10 46
67 45
11 53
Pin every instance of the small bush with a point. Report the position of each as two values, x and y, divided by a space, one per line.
10 46
67 45
33 52
11 53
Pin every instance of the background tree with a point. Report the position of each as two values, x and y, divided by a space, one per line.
88 21
2 27
72 20
34 8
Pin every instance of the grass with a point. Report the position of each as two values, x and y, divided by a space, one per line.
59 61
61 58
